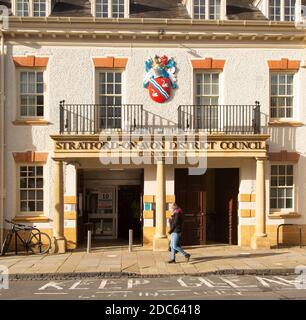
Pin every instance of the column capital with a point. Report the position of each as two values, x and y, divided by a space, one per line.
261 158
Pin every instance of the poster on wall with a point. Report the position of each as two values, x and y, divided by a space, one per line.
105 200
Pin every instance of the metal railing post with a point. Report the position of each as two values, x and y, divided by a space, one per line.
89 241
62 125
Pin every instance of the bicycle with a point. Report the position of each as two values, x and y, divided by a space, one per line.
38 242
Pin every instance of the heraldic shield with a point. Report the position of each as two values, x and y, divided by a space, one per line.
160 78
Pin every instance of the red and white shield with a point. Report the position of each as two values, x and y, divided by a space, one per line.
160 89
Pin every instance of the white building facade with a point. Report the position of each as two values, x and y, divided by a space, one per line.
77 116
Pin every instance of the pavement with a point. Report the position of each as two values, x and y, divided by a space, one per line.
143 262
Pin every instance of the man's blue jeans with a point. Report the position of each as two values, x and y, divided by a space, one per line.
175 245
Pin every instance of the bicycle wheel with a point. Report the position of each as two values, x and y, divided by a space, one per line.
39 243
6 243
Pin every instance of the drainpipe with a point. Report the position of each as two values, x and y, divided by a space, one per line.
2 132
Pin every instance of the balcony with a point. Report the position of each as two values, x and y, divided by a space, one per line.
228 119
81 119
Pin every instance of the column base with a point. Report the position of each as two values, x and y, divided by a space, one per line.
58 245
260 242
160 244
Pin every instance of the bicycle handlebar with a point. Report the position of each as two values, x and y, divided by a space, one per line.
19 225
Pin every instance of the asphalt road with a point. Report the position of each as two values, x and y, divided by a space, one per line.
170 288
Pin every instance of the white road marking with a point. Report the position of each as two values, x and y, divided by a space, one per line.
49 293
174 290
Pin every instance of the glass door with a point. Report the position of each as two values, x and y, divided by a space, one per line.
103 212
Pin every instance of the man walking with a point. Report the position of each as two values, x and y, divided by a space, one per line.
176 226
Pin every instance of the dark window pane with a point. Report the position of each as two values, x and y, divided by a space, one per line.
39 183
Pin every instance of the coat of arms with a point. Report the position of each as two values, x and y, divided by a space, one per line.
160 77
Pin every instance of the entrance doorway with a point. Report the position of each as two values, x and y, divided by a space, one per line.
190 194
210 206
130 212
110 203
222 210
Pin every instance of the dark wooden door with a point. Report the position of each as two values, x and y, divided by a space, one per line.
191 197
227 189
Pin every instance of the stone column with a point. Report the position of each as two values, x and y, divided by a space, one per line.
58 202
160 241
260 239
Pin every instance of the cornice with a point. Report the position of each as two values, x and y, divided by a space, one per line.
154 29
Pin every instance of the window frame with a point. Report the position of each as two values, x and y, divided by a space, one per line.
294 95
294 193
207 13
97 89
19 71
126 10
30 213
282 11
31 8
195 96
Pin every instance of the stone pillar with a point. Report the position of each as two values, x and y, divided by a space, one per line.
58 202
260 239
160 241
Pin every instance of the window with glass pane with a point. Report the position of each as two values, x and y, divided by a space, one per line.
281 190
207 100
31 189
282 95
275 10
199 9
214 9
22 7
118 9
31 94
39 8
110 99
102 8
289 8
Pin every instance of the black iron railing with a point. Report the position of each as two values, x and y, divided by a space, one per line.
229 119
94 118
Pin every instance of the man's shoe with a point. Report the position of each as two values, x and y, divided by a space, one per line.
171 261
187 257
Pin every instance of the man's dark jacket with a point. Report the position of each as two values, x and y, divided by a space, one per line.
176 223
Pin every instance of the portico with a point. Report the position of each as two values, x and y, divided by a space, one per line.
244 147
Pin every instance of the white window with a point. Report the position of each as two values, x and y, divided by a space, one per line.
31 189
102 8
282 10
282 187
110 8
207 9
31 94
206 99
32 8
39 8
118 8
22 8
110 99
207 88
282 95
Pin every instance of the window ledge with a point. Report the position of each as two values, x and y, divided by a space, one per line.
31 122
31 219
281 123
283 215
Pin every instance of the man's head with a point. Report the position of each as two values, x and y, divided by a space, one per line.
173 206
